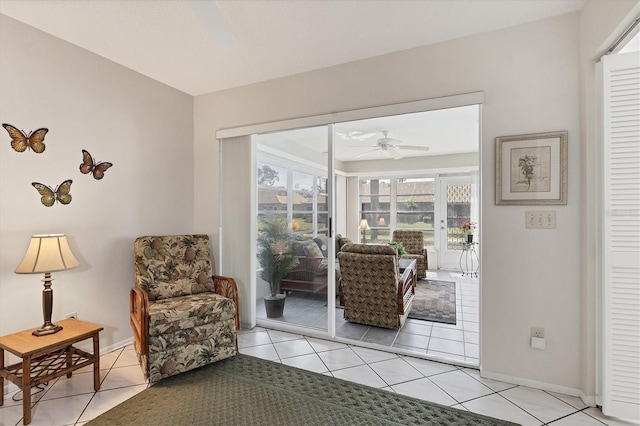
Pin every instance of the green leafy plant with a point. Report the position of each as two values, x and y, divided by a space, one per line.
274 251
399 248
411 205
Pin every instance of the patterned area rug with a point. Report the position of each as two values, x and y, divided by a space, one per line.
244 390
435 301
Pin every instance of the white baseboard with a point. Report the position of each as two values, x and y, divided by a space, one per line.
10 388
586 399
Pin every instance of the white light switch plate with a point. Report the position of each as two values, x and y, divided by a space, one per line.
540 219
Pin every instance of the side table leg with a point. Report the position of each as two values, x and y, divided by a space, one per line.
26 390
2 377
69 359
96 362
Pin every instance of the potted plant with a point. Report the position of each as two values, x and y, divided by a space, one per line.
467 229
276 259
399 248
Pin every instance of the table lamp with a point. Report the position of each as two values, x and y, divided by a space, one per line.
364 226
47 253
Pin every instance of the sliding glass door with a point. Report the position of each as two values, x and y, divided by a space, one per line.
293 232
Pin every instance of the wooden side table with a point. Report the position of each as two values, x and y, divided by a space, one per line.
45 358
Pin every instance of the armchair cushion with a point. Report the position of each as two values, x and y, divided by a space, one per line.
312 250
173 266
323 242
178 313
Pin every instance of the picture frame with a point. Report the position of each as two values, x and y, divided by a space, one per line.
531 169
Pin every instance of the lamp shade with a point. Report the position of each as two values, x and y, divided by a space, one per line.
47 253
364 225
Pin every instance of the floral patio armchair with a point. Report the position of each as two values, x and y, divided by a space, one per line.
413 243
182 316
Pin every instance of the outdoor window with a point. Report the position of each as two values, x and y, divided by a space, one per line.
272 190
299 197
322 206
375 208
414 206
397 203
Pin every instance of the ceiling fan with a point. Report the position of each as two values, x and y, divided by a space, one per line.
390 146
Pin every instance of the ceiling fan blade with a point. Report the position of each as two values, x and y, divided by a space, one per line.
367 153
355 136
364 136
414 147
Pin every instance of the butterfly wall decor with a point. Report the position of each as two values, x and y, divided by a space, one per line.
21 141
49 196
89 166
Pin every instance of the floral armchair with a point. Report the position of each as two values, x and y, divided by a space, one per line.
182 316
373 291
413 243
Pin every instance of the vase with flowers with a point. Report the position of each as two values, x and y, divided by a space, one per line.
467 229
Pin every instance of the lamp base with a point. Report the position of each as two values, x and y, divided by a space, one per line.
47 329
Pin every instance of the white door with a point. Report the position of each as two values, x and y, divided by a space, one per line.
456 197
621 236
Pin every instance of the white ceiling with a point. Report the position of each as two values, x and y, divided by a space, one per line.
202 46
444 132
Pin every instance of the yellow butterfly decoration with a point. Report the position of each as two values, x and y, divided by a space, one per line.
49 196
21 141
89 166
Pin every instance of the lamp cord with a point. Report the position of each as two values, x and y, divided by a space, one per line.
41 388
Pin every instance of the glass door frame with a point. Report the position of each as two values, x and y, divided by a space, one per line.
331 284
229 266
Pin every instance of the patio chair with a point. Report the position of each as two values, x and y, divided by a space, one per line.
373 290
413 243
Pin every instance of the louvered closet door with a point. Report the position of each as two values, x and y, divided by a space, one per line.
621 313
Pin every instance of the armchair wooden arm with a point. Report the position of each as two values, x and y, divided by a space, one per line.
139 319
227 287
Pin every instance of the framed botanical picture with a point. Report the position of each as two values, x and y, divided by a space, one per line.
532 169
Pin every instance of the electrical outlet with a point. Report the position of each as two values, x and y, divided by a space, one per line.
72 315
540 219
537 332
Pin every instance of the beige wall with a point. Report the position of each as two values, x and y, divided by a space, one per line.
143 127
530 78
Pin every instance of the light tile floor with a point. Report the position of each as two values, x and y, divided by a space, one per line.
459 342
73 401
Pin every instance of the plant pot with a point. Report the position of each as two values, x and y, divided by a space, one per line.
469 238
274 305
